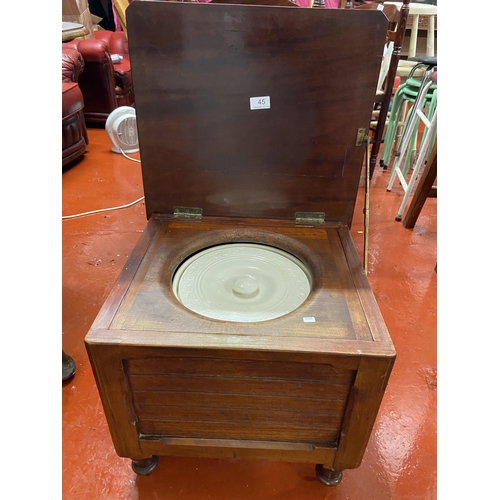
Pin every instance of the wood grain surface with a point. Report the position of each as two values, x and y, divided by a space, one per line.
195 68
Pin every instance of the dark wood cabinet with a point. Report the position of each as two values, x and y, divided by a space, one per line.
303 387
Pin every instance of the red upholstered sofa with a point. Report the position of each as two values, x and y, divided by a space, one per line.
105 85
74 130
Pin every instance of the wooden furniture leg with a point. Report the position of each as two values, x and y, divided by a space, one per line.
422 190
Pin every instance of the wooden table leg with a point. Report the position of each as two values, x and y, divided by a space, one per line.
422 190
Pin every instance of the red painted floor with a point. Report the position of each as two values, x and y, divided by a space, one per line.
400 461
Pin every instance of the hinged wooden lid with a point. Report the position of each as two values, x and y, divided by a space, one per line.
253 111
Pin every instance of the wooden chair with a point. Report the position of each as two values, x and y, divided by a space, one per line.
421 16
383 97
392 14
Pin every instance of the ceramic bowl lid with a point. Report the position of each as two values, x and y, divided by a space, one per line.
242 282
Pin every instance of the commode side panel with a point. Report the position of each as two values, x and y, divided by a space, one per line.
213 398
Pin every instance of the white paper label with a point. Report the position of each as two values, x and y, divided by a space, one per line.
262 102
309 319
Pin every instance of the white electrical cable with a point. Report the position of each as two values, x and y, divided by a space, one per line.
129 157
102 210
107 209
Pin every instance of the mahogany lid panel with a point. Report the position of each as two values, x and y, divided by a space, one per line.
195 69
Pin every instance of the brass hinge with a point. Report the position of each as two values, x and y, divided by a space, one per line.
360 136
188 213
310 217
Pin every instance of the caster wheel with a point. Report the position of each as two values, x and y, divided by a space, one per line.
398 218
68 366
146 466
329 477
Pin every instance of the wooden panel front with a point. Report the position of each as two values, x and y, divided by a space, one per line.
191 397
196 67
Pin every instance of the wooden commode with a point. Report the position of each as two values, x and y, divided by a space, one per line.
251 123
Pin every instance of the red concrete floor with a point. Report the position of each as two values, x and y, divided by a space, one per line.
400 460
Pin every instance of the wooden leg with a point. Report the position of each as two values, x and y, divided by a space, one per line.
330 477
422 190
145 466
